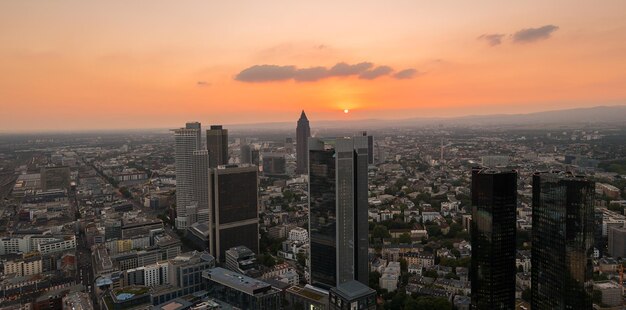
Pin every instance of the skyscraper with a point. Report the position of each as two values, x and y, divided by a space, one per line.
200 189
562 239
186 143
303 133
370 147
235 213
217 144
338 206
246 154
494 209
197 126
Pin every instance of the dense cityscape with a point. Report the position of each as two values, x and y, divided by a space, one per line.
398 217
312 155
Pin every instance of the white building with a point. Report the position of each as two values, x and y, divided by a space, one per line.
299 234
186 142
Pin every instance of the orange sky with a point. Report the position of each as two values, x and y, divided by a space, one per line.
68 65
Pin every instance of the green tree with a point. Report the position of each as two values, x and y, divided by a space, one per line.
405 238
380 232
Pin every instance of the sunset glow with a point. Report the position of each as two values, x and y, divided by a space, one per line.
84 65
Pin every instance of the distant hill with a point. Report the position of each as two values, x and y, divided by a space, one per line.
579 116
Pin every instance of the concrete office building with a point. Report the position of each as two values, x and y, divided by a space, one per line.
55 178
200 181
617 242
186 142
241 291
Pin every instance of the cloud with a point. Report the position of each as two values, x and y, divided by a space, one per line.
271 73
493 39
310 74
266 73
376 72
405 74
534 34
344 69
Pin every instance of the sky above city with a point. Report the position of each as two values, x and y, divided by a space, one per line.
75 65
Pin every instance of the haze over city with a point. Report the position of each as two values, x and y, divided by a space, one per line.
320 155
72 65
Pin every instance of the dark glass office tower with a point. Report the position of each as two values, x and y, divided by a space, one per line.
562 239
338 211
303 133
217 144
235 212
493 232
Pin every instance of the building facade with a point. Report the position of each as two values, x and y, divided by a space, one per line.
186 142
303 133
562 239
235 209
494 206
338 219
217 145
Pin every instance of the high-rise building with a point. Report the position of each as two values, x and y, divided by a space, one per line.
338 220
55 177
303 133
562 239
217 144
617 241
246 154
200 179
235 213
274 164
370 147
186 142
197 126
493 232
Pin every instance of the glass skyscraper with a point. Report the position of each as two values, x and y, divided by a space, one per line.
338 206
562 241
493 232
217 145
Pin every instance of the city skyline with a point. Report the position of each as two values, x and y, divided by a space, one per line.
128 67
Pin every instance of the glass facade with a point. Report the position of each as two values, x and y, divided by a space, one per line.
563 235
235 194
493 233
323 217
338 211
238 196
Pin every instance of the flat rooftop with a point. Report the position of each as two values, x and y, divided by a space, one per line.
237 281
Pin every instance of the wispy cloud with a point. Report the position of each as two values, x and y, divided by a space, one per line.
525 35
492 39
405 74
272 73
375 73
534 34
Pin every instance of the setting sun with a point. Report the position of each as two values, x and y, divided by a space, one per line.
346 111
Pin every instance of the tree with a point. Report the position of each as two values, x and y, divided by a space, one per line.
405 238
373 280
380 232
404 265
